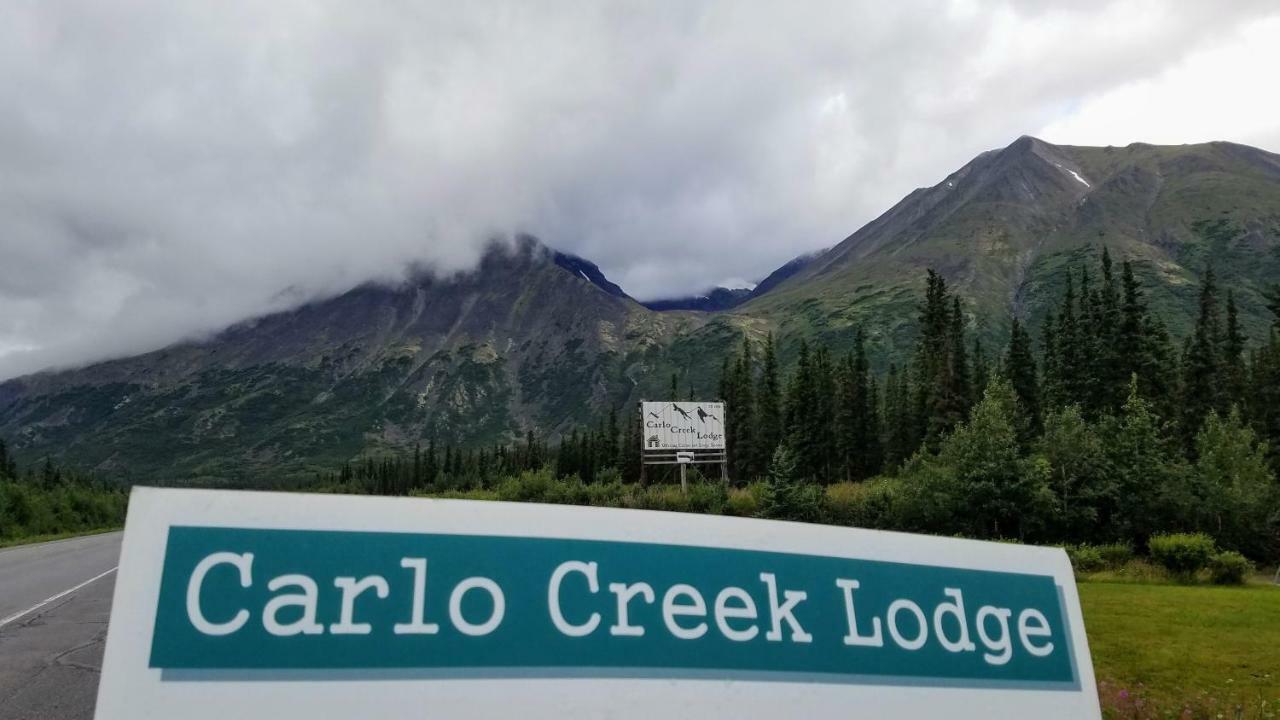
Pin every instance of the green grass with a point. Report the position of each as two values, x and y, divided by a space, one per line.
33 539
1210 649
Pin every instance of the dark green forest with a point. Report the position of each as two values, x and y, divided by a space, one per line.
49 500
1101 429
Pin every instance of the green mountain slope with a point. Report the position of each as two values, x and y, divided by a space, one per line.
526 341
1003 227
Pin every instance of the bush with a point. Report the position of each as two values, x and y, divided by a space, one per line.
865 504
744 502
1115 555
1229 568
1085 558
1182 554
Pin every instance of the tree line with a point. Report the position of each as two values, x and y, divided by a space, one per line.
1101 429
46 499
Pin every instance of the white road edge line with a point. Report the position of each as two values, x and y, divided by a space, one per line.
48 600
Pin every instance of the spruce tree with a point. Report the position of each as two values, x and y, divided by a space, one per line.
899 418
1020 369
632 447
981 369
742 461
610 447
1051 395
1070 359
1110 364
875 446
803 415
768 407
1202 369
1233 361
856 450
823 421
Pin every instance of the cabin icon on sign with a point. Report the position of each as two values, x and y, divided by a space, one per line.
653 441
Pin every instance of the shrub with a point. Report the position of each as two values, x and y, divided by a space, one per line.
1085 558
785 497
1115 555
1182 554
865 504
1229 568
744 502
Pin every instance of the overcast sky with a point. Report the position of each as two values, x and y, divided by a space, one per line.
169 167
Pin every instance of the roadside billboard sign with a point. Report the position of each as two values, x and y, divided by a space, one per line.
673 425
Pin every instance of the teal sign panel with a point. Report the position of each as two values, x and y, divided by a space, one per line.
271 604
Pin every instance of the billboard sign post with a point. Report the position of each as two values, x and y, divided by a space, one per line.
683 433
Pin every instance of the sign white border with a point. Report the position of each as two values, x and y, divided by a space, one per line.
129 689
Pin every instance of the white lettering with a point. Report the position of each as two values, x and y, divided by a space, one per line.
923 635
351 589
1000 645
244 563
455 606
671 610
785 611
876 638
305 625
417 624
623 628
587 569
746 610
1041 629
956 610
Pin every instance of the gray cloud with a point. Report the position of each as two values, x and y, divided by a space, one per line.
171 167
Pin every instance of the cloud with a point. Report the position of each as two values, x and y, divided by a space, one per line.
172 167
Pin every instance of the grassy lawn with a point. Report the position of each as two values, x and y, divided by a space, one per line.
1160 649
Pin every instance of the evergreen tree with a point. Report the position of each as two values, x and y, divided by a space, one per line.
899 418
740 408
632 447
803 415
567 461
1051 392
4 461
855 448
941 364
981 370
609 447
1020 370
1264 381
1203 363
875 429
768 407
1235 379
1070 370
786 496
822 424
1110 365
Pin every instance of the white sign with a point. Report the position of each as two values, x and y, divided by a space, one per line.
683 425
279 606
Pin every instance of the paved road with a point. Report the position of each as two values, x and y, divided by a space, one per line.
54 602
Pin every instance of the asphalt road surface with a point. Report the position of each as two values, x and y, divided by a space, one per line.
54 602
